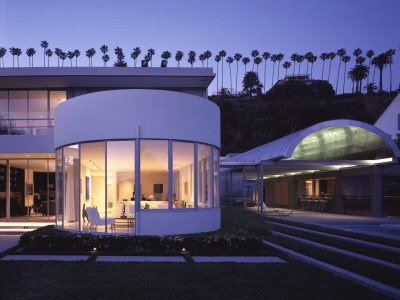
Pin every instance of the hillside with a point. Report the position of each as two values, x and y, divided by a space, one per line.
246 124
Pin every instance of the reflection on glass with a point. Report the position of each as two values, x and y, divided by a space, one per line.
93 179
21 188
120 178
59 187
204 176
38 112
71 186
154 174
3 166
3 112
18 111
183 174
216 177
56 97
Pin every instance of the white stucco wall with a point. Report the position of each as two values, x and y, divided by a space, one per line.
388 121
116 115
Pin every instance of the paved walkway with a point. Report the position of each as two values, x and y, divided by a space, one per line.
8 240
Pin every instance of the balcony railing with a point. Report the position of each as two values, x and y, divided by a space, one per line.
11 126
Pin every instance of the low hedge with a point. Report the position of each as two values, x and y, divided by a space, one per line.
49 238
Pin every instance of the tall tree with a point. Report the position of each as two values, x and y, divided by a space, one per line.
375 64
345 60
105 59
323 56
294 59
332 55
390 53
357 74
70 55
207 55
229 60
217 59
382 60
279 58
57 52
254 54
90 53
257 61
308 56
202 58
166 55
312 60
178 57
44 45
369 54
135 54
340 53
121 63
251 84
104 50
3 52
77 54
300 59
286 65
357 52
150 53
245 61
265 55
49 53
274 58
237 57
30 52
18 53
63 56
222 54
192 58
13 53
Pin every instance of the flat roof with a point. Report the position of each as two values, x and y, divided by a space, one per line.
107 77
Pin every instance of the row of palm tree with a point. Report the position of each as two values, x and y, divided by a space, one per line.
380 61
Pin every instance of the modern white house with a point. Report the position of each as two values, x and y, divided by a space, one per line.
138 145
389 121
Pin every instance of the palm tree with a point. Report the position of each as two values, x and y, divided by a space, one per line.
237 57
217 59
324 56
390 53
44 45
3 52
286 65
357 74
357 52
300 59
192 57
312 60
13 53
371 88
70 55
63 56
360 60
178 57
254 54
340 53
120 58
57 52
30 52
222 54
265 55
308 57
274 58
90 53
135 54
245 61
202 58
166 55
332 55
375 64
105 58
150 53
257 61
104 50
294 59
279 58
369 54
18 53
345 60
207 55
49 53
229 60
77 54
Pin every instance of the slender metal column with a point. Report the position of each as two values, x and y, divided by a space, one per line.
261 189
62 187
105 188
211 179
137 180
80 187
244 187
48 196
195 176
170 174
8 190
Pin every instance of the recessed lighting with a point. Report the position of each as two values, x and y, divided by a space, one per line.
27 155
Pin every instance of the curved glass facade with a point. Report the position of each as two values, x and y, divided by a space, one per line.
173 175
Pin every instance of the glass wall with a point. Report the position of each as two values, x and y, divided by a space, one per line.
216 177
183 174
59 187
203 175
28 112
154 174
93 178
71 187
121 178
3 182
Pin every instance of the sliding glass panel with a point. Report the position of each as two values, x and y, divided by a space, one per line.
3 167
59 187
71 187
204 176
183 174
21 189
121 179
154 174
216 177
93 183
18 112
38 172
38 112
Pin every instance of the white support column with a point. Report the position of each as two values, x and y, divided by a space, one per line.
105 187
8 190
137 180
170 174
80 188
196 181
211 174
204 181
62 187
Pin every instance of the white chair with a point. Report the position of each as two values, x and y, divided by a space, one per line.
95 220
276 211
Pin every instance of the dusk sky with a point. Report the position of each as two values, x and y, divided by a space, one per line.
285 26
